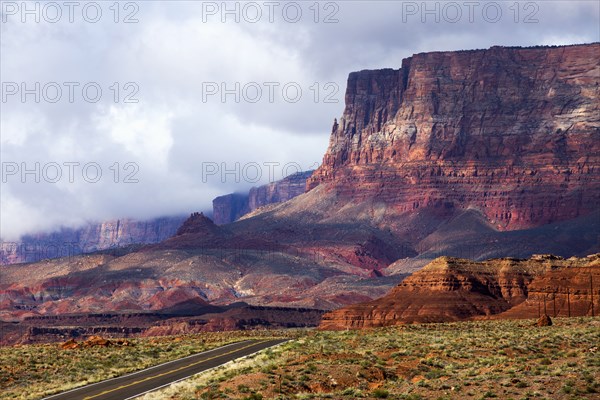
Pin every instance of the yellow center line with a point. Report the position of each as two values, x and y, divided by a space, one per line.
175 370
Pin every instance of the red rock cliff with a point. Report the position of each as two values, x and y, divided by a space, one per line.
514 132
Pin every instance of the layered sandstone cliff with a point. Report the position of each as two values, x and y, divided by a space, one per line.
232 206
513 132
68 242
451 289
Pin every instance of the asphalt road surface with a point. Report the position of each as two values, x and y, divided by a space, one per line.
136 383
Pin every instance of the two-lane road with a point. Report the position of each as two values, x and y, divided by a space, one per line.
134 384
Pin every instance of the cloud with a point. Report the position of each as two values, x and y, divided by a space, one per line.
170 59
142 133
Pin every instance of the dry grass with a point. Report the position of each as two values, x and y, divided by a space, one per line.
33 371
468 360
465 360
187 389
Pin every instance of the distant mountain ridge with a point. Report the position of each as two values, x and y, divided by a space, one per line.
112 234
231 207
68 242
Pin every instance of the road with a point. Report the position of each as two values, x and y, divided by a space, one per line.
130 385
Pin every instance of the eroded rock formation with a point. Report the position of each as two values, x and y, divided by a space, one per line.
451 289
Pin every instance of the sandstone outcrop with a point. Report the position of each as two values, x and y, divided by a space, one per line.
69 344
450 289
544 320
93 341
97 341
197 223
562 292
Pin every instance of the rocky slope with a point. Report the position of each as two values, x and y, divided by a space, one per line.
231 207
451 289
513 132
238 318
202 263
91 237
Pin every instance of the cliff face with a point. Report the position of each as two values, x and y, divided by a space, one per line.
128 231
280 191
231 207
451 289
91 237
514 132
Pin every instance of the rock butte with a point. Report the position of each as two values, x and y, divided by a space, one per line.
513 132
451 289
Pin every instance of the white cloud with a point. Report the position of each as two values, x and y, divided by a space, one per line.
145 134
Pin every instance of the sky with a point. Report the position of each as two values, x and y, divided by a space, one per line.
141 109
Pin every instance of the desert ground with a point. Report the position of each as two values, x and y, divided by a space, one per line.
505 359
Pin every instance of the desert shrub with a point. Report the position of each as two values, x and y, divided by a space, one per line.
380 394
254 396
